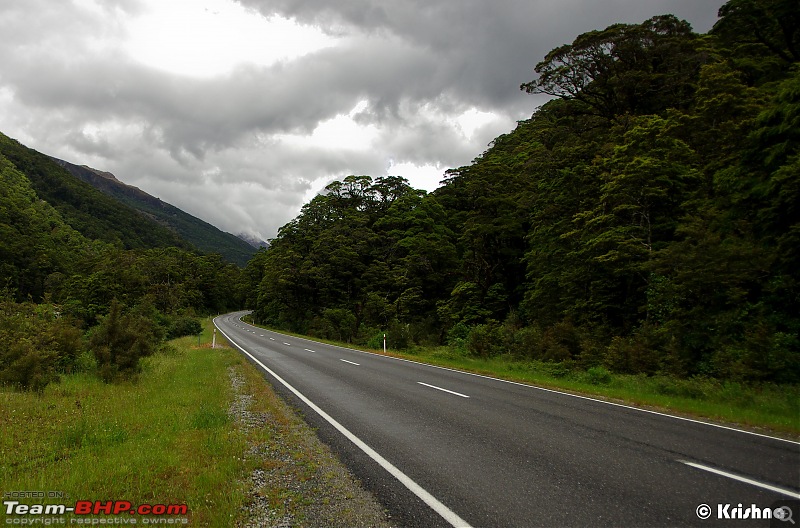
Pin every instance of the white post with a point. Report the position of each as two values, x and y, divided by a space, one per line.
214 339
384 343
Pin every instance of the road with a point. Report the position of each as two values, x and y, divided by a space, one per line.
446 448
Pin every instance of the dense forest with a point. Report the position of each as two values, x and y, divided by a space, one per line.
87 282
644 219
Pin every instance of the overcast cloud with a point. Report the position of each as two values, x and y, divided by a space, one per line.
240 112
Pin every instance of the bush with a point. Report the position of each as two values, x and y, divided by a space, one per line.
38 344
641 352
598 376
184 326
486 340
121 339
526 342
560 342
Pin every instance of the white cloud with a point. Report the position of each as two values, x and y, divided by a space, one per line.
212 37
240 111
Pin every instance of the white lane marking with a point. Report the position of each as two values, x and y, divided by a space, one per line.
262 335
746 480
272 339
444 390
639 409
356 364
629 407
308 350
287 344
446 513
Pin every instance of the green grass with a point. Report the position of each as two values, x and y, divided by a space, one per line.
767 408
163 439
167 438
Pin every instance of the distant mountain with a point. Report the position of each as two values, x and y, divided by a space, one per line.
200 234
84 208
253 241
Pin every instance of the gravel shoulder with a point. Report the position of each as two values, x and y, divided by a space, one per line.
294 479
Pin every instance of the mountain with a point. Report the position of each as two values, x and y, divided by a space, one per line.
253 241
200 234
84 208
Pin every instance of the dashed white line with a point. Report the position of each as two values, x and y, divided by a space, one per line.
746 480
356 364
444 390
449 515
287 344
308 350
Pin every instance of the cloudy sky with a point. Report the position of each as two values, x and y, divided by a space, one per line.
240 111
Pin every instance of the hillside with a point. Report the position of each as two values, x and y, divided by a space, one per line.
69 282
201 234
84 208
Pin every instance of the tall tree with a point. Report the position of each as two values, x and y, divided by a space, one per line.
625 68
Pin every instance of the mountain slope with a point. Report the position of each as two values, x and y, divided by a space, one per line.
201 234
84 208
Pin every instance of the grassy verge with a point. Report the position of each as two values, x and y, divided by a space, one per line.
199 427
767 408
164 439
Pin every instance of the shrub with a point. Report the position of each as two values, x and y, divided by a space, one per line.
486 340
598 376
184 326
398 336
37 345
121 339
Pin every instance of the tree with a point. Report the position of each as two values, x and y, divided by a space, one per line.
625 68
772 25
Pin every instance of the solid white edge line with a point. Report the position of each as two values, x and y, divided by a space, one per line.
446 513
746 480
351 362
443 390
718 426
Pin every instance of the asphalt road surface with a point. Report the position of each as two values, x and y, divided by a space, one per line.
445 448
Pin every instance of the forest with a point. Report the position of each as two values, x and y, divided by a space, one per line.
88 283
645 219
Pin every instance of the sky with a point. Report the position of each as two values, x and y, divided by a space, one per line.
239 112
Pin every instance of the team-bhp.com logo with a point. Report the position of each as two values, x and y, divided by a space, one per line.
86 508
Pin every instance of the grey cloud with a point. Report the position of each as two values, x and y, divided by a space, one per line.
483 49
201 141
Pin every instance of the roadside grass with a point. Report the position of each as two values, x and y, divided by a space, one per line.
766 408
165 438
199 426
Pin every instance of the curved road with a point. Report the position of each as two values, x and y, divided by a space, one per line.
445 448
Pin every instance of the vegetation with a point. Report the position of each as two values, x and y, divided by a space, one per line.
644 221
184 434
196 232
63 293
87 210
166 437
